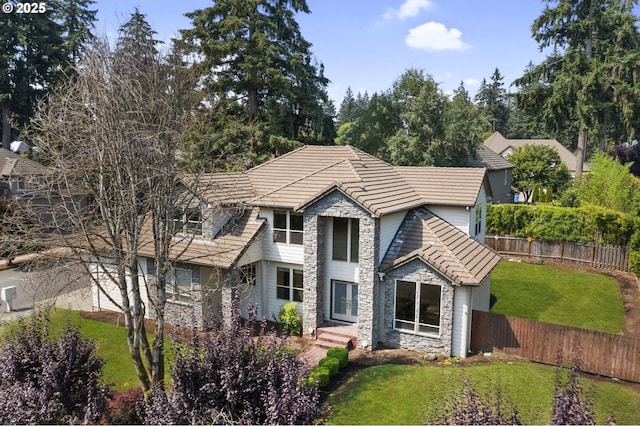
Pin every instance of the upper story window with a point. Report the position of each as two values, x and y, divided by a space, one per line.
417 307
287 227
346 239
188 220
478 221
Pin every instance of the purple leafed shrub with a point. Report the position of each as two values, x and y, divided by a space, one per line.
125 408
47 380
235 375
570 404
468 408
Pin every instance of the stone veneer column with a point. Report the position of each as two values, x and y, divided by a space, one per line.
368 285
313 240
336 204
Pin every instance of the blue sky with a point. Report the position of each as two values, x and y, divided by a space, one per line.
368 44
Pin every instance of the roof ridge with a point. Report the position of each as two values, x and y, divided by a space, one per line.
314 172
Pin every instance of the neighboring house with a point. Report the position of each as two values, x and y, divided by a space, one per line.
350 239
20 174
28 186
499 174
503 146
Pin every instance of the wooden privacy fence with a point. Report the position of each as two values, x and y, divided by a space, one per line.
595 255
605 354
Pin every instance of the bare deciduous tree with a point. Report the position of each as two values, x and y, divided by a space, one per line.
112 135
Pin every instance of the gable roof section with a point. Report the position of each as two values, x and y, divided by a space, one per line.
300 177
222 252
459 186
499 144
13 165
222 188
426 237
490 160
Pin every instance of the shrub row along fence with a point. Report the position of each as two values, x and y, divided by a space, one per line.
595 255
605 354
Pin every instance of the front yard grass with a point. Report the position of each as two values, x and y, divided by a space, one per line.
558 296
111 341
415 394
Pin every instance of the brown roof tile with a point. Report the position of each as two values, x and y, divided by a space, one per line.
458 186
459 257
223 252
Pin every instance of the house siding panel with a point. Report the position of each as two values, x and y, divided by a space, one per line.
459 217
389 225
278 252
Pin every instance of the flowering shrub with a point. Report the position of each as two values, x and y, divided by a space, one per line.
290 318
47 380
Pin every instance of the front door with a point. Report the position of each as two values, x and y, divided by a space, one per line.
344 303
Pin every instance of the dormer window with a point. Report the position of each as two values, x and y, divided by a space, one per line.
188 220
287 227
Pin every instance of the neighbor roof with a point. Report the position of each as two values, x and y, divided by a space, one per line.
454 254
13 165
499 144
489 160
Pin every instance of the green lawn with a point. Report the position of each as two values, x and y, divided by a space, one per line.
400 394
558 296
111 341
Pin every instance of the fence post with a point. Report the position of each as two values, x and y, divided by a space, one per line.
593 253
561 251
529 246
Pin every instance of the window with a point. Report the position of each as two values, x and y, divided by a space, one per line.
188 221
289 284
248 274
287 227
478 210
417 307
346 239
179 284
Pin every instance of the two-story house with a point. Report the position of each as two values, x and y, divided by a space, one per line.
350 239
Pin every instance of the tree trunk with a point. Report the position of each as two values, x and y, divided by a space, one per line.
603 137
253 102
582 145
6 127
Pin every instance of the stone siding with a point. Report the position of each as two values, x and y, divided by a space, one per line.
316 215
418 271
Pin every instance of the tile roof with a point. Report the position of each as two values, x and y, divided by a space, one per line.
221 188
499 144
490 160
424 236
459 186
13 165
301 176
222 252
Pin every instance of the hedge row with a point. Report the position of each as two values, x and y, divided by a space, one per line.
329 366
574 224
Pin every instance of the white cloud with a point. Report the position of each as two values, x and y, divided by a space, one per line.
435 36
470 81
409 9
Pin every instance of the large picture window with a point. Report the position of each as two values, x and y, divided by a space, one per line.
417 307
179 284
287 227
346 239
289 284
